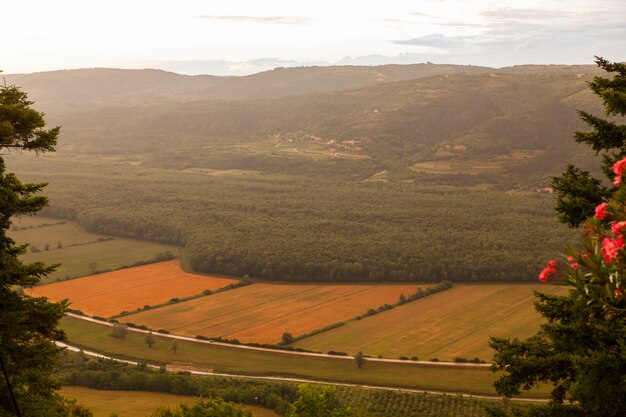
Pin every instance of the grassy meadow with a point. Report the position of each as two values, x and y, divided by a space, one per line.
454 323
78 251
111 293
224 359
263 312
136 403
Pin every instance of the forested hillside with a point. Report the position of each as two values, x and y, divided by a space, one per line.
418 179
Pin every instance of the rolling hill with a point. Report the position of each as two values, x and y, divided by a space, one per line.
328 174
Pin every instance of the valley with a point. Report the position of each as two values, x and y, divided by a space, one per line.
256 230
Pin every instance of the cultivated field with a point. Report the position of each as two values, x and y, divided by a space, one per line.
223 359
473 166
136 403
111 293
79 252
263 312
456 322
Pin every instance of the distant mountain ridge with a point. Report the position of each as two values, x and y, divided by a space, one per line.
522 117
66 91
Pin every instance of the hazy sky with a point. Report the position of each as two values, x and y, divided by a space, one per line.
241 37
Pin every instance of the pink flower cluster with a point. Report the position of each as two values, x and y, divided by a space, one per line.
612 245
547 271
572 262
601 211
618 170
611 248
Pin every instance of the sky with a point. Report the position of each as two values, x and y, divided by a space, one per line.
242 37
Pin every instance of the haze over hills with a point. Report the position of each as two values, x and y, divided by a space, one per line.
362 115
326 174
75 90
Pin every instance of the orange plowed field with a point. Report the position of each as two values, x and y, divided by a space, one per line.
263 312
111 293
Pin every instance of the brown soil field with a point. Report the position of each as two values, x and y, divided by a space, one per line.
263 312
110 293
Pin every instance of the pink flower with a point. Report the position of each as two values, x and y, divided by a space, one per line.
618 167
570 259
611 247
574 266
617 227
618 293
547 271
618 170
601 211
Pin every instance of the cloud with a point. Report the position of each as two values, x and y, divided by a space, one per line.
419 14
434 41
377 59
215 67
276 20
509 13
506 36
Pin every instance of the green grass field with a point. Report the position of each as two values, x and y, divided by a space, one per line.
135 403
77 250
454 323
241 361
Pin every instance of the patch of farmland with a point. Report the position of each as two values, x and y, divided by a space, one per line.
105 403
78 251
454 323
226 359
111 293
263 312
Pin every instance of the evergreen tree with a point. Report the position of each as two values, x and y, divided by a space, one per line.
579 191
581 349
28 325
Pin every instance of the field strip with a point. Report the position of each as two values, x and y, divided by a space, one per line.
245 307
114 292
111 293
309 381
496 319
307 310
262 312
286 352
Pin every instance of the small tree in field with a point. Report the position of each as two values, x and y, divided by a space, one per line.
119 331
174 346
149 339
287 339
359 359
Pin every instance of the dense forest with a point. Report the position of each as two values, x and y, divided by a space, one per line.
424 175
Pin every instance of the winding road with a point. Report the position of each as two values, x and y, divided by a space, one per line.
308 381
285 352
